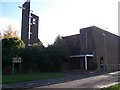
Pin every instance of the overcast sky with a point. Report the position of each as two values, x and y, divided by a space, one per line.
64 17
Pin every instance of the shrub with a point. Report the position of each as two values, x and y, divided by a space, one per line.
93 66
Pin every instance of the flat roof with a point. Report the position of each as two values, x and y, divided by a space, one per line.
88 55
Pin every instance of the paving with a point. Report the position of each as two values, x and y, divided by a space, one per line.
70 80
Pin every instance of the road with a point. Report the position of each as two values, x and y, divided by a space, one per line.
79 80
99 81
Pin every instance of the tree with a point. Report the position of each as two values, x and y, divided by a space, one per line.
55 54
32 57
38 44
10 32
58 40
0 36
11 47
61 46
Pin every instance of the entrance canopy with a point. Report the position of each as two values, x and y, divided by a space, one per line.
86 58
89 55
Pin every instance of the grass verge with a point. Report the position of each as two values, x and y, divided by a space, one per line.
114 87
29 77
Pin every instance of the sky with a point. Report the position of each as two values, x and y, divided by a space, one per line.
62 17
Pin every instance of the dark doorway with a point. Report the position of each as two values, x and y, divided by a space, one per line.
89 63
82 63
74 63
101 63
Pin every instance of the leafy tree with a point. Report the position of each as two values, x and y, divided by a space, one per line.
38 44
10 32
0 36
61 46
55 54
32 57
11 47
39 58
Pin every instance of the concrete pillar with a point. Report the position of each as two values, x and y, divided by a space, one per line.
85 62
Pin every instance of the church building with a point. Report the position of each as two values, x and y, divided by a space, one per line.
93 48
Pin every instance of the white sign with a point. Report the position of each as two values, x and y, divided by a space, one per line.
17 60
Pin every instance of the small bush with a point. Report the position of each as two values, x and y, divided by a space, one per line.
93 66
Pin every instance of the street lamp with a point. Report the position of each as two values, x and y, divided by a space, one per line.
105 51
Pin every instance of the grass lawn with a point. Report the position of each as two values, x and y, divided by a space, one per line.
29 77
114 87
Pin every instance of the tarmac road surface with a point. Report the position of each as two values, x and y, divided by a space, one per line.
99 81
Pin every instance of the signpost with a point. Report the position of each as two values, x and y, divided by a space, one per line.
16 60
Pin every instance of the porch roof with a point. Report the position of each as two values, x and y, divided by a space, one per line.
88 55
